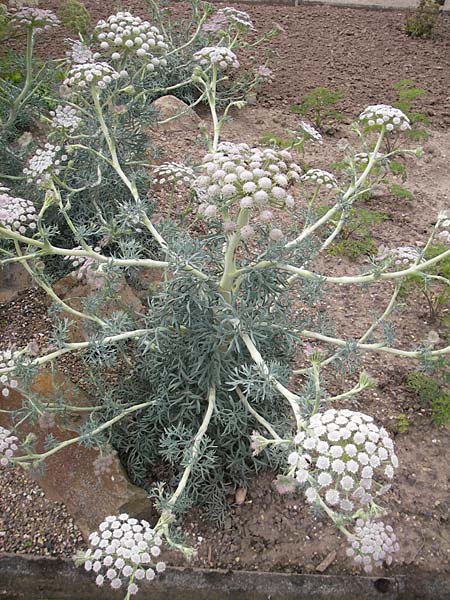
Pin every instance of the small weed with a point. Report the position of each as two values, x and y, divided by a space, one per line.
356 236
434 390
435 291
400 193
319 105
408 95
402 423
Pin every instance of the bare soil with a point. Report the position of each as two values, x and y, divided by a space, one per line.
363 52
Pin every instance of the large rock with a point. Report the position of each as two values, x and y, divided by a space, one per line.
13 280
169 107
72 475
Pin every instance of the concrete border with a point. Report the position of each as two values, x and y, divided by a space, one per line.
25 577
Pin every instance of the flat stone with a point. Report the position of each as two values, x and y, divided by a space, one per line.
168 107
70 476
13 280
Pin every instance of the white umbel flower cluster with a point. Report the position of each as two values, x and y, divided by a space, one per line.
7 360
256 178
392 118
31 16
16 214
221 56
65 117
7 446
372 544
403 255
123 35
226 18
86 75
320 177
124 551
103 464
80 53
45 162
311 133
173 174
339 455
236 17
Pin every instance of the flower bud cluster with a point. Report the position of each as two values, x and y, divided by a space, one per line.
123 551
372 544
257 178
403 255
173 174
44 163
31 16
320 177
80 53
221 56
339 455
123 35
16 213
86 75
444 235
7 360
364 157
47 420
311 133
7 446
65 117
228 17
382 114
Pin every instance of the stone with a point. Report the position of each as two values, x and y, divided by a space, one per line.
170 106
70 476
13 280
73 292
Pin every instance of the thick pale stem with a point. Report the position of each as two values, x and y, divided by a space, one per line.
39 457
292 398
348 194
28 79
257 416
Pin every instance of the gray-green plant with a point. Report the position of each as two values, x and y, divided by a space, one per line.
204 396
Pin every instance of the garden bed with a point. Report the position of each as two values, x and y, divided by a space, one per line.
266 532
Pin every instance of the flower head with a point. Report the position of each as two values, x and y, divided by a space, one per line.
124 35
65 117
320 177
7 446
379 115
80 53
221 56
16 214
340 453
37 18
310 133
228 17
173 174
44 163
372 544
123 551
85 75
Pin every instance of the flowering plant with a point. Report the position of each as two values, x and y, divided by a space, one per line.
211 360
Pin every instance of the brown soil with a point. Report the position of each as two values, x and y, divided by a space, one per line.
267 531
